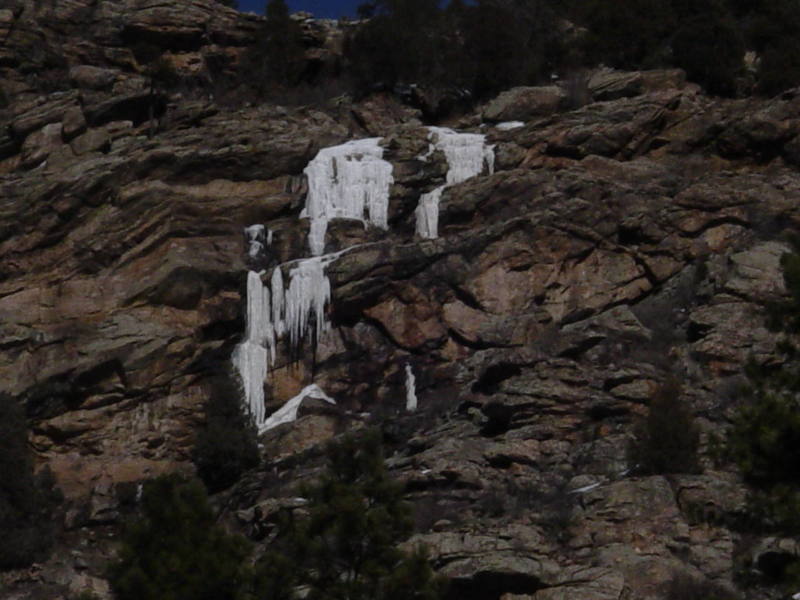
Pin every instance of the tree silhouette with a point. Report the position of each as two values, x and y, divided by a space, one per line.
346 545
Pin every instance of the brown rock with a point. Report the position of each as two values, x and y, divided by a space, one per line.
524 103
73 124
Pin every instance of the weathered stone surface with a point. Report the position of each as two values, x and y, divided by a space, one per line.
617 244
585 582
94 78
608 84
524 103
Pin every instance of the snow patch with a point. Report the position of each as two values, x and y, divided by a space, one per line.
348 181
288 412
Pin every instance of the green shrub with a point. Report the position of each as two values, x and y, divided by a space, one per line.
346 545
667 440
764 439
26 501
176 551
227 445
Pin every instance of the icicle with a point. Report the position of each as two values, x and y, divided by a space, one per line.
427 213
288 412
308 294
347 181
467 155
278 301
411 391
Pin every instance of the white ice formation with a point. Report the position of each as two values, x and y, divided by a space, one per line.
467 155
347 181
288 412
258 348
507 125
308 294
256 237
411 390
293 310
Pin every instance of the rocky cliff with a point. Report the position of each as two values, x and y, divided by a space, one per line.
616 244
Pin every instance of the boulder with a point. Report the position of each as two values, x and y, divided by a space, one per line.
93 78
609 84
525 103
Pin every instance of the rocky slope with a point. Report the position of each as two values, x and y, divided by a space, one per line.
616 244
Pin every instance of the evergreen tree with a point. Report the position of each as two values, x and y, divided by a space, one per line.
176 551
26 501
709 46
626 34
765 436
227 446
667 440
764 440
282 45
345 548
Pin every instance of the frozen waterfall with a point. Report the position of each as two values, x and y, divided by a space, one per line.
292 311
308 294
467 154
258 348
347 181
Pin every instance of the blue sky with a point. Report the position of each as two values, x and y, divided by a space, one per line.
324 9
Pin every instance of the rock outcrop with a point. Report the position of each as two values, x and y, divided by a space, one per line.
616 244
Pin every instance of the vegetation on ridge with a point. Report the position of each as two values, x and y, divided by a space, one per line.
27 501
342 544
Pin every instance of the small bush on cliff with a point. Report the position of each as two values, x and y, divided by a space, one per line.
176 551
26 501
346 545
667 440
227 446
764 440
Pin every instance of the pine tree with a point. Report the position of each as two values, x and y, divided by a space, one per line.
227 445
176 551
26 501
667 440
709 46
346 547
283 45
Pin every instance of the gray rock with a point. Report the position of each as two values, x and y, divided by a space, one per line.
524 103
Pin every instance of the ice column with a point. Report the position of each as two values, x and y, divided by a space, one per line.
466 154
251 356
411 389
347 181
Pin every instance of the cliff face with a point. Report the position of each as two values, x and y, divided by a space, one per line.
614 245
